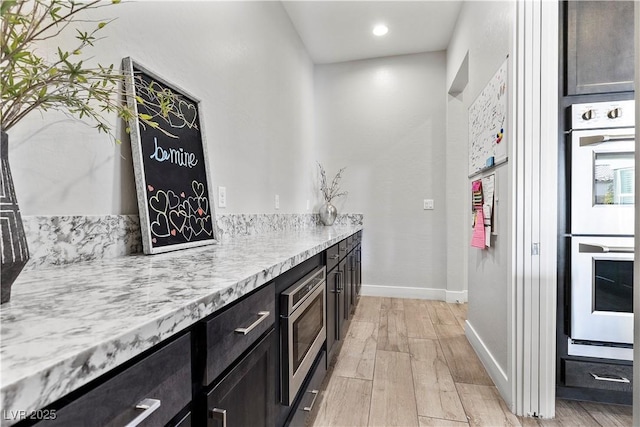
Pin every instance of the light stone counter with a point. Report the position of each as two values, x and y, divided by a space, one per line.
67 325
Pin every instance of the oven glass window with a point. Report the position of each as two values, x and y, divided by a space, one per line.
613 179
614 285
306 328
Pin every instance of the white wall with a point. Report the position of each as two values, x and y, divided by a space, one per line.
247 64
485 31
385 120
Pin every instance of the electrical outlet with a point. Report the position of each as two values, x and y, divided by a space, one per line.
428 204
222 197
277 201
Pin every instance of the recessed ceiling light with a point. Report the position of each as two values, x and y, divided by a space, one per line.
380 30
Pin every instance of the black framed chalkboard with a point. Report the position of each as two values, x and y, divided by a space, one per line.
170 163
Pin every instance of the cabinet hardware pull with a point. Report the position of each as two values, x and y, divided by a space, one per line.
219 415
343 248
336 256
148 406
610 379
244 331
313 402
602 249
590 140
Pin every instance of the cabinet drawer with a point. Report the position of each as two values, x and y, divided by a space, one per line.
350 242
224 343
310 396
333 256
343 248
598 375
164 376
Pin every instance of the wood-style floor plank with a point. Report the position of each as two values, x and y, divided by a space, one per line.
345 402
437 422
609 415
393 401
436 394
485 407
417 319
392 331
569 413
414 381
459 312
358 354
368 310
461 358
391 303
440 313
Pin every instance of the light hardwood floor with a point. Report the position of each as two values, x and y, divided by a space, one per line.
407 362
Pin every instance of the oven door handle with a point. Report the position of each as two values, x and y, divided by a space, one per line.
603 249
597 139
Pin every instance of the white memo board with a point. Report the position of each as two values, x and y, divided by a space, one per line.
488 123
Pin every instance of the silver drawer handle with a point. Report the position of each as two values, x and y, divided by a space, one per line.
148 406
597 139
313 402
613 380
334 256
602 249
219 415
244 331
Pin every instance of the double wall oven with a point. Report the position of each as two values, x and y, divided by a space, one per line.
602 229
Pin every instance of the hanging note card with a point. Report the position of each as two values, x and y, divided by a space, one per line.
478 238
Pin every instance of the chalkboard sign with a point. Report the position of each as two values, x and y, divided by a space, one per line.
170 164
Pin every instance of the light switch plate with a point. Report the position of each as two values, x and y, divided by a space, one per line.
222 197
428 204
277 201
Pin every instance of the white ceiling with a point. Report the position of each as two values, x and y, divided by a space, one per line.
336 31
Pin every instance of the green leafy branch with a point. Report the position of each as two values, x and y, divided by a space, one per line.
30 82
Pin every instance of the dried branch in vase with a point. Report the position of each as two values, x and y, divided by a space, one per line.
330 192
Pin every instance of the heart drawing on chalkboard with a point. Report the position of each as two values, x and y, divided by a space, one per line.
159 202
160 226
189 112
174 201
178 218
198 188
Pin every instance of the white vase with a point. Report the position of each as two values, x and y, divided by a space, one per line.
328 213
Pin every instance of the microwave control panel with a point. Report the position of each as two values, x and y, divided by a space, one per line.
596 115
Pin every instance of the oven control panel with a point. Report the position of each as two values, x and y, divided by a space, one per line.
610 114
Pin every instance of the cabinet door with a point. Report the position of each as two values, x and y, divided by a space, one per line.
332 304
348 290
341 317
358 269
247 395
600 50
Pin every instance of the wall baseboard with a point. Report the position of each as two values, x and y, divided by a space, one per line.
494 370
413 292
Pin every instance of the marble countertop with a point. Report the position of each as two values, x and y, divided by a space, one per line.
67 325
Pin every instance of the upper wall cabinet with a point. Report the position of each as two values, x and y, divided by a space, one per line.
599 49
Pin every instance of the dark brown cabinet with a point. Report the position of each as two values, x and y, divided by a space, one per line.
246 395
599 47
343 288
152 392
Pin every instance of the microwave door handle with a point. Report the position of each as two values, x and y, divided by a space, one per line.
597 139
603 249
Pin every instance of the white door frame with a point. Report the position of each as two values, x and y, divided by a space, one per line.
535 208
636 265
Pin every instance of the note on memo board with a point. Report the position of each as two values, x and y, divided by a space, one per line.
488 123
